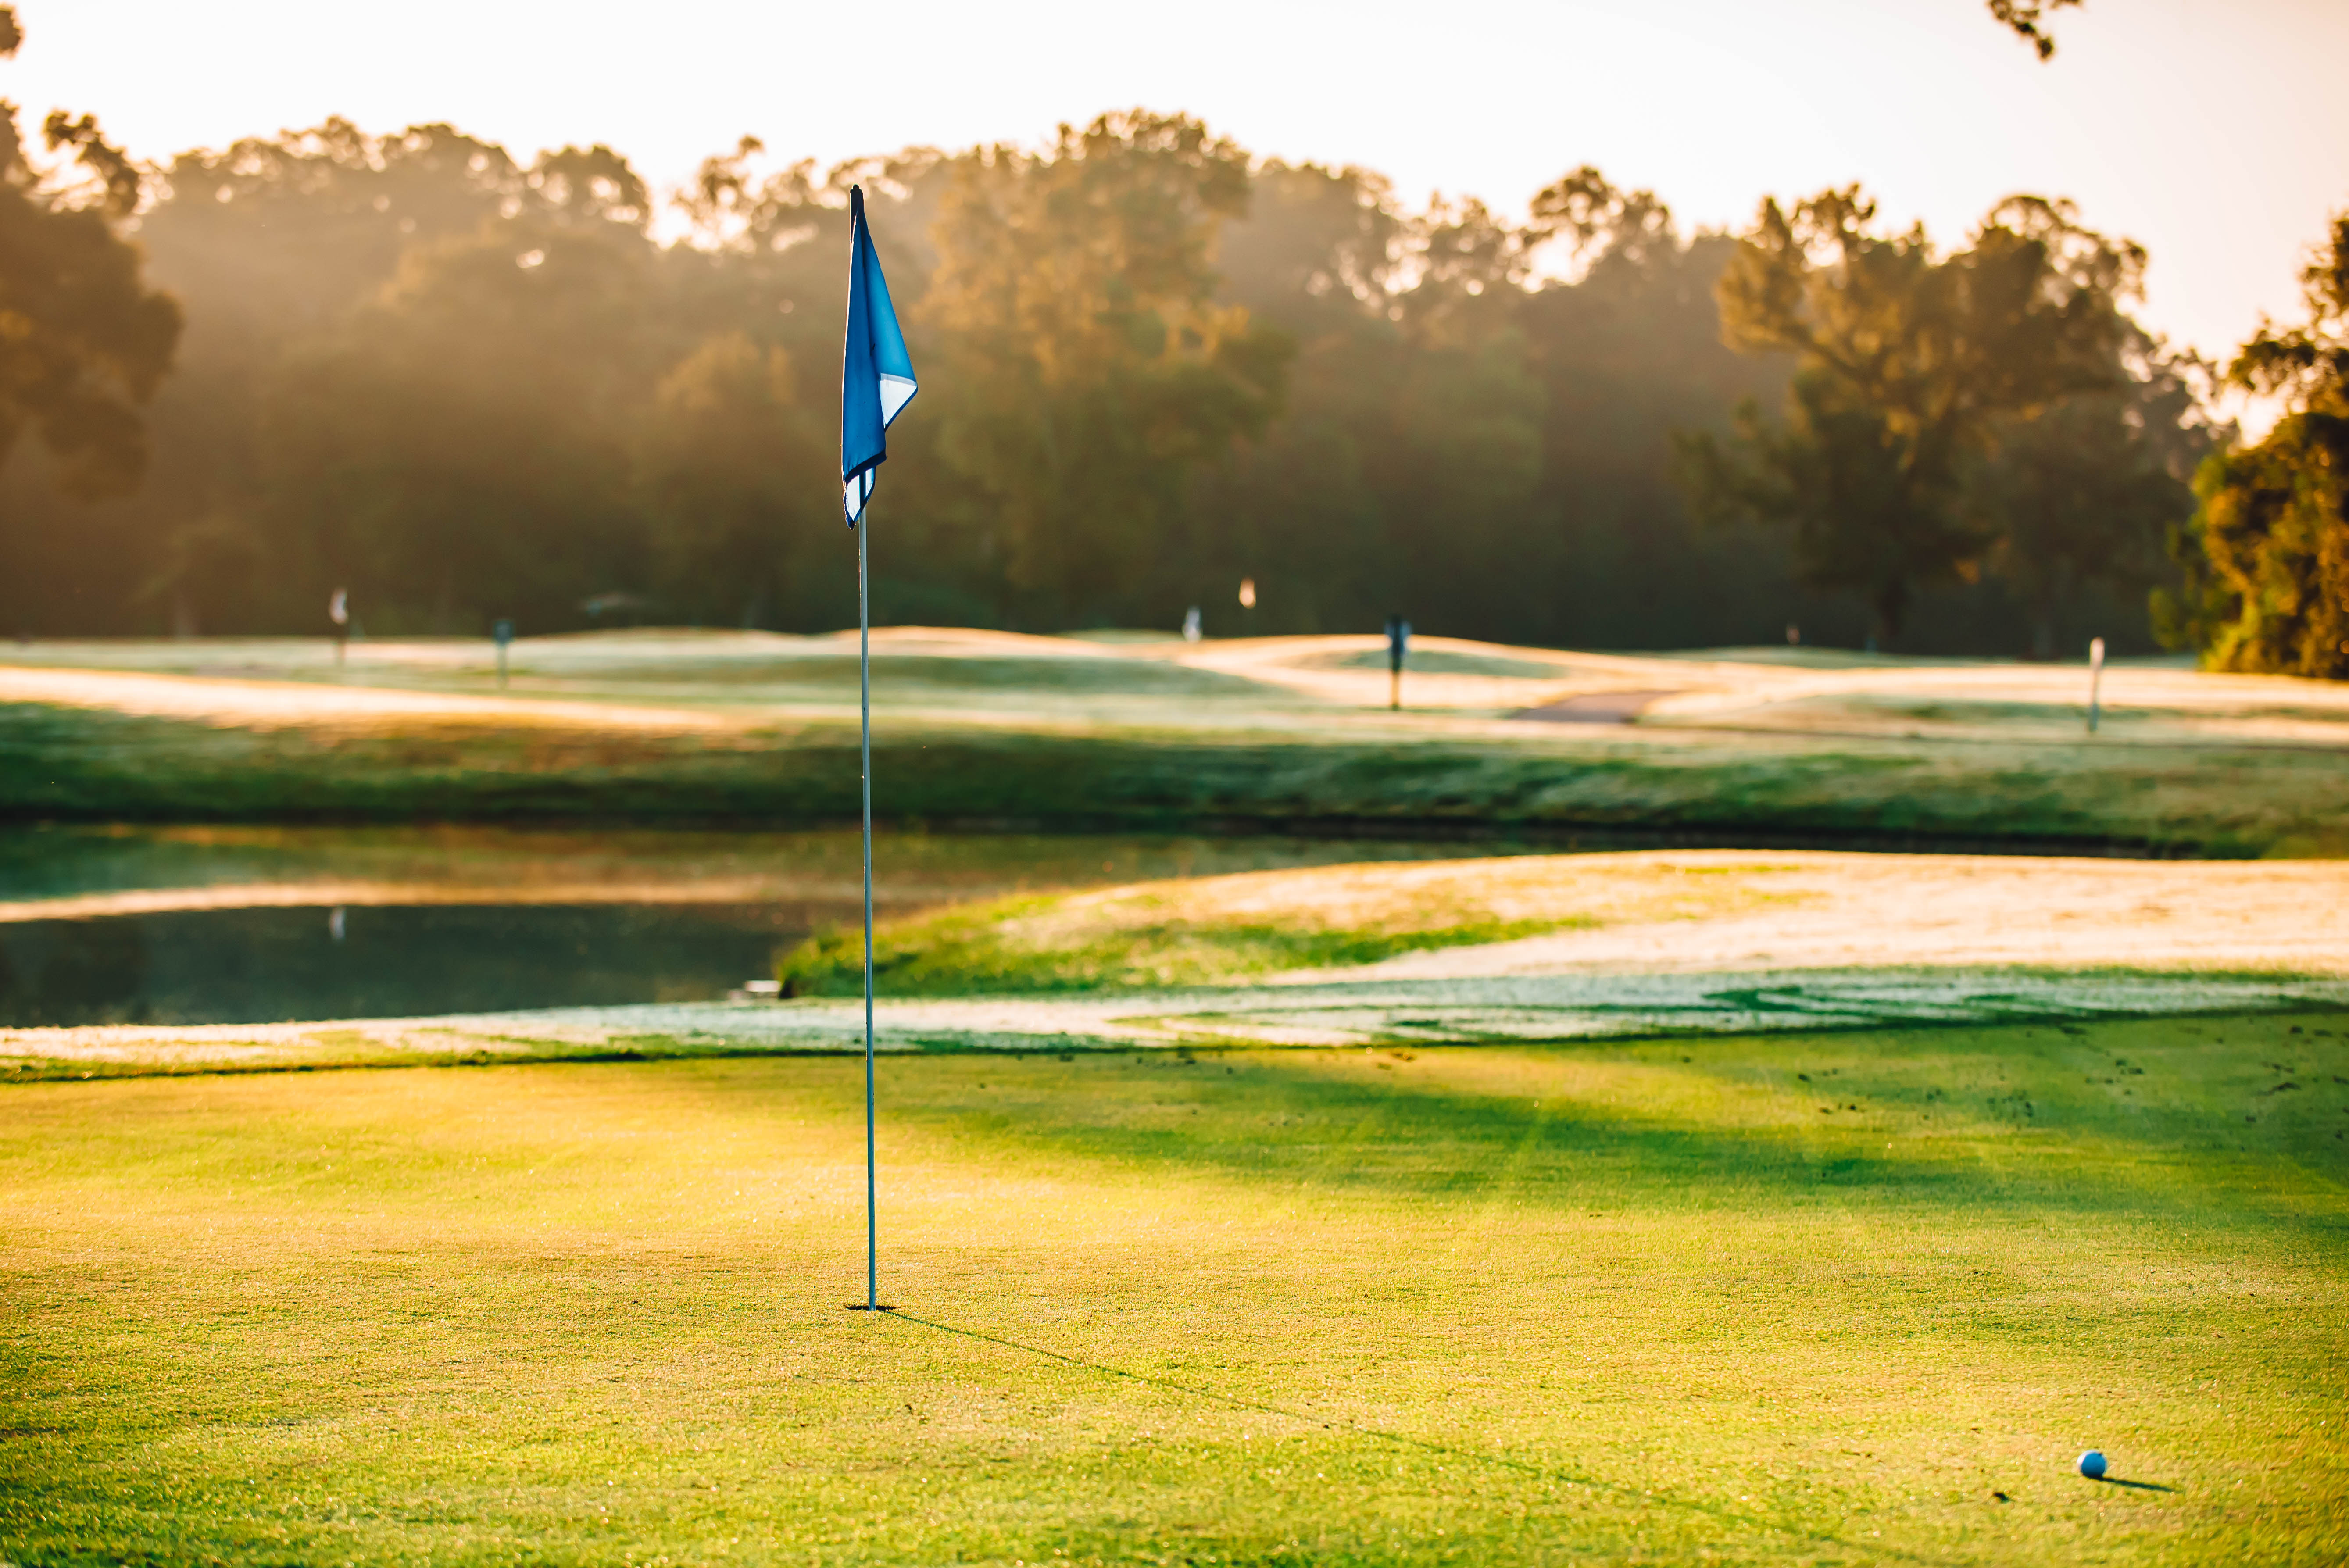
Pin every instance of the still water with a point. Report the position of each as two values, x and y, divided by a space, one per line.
260 965
239 926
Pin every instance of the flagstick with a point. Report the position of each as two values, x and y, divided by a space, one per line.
2095 677
865 686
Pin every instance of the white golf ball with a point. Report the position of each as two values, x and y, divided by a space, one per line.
2092 1465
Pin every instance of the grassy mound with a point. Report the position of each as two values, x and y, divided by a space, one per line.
1441 662
1220 930
913 677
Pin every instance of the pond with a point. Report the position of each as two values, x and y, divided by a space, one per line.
260 924
260 965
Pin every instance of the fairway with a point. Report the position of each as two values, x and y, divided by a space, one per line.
1841 1298
993 729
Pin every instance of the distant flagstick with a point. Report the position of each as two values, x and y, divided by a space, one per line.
1398 648
876 382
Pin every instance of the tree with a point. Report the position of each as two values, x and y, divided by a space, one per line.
731 465
1088 367
275 243
458 448
1627 343
2085 491
83 342
469 385
2266 557
2028 19
1906 364
1405 466
1315 248
1295 506
1458 453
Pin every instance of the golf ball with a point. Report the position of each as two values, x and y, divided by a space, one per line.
2092 1465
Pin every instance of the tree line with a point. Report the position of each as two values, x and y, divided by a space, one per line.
466 388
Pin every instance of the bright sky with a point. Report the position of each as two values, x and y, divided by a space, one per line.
2214 132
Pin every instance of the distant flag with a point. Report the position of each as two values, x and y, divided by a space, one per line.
876 377
1398 642
1398 648
2095 678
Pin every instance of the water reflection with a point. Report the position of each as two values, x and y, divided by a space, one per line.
262 965
240 925
73 972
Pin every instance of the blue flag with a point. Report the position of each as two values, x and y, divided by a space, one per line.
876 377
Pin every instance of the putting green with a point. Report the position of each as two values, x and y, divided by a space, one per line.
1847 1298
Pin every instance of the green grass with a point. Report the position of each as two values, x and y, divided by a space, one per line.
894 673
983 730
963 953
1140 938
68 764
63 860
1230 930
1779 1300
1442 663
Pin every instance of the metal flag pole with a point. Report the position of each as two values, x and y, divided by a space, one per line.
864 692
876 381
2095 678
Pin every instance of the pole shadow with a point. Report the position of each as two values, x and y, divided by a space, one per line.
2132 1485
1497 1461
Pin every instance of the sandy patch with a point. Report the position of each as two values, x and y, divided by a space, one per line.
1817 910
1730 692
265 705
1495 1011
376 895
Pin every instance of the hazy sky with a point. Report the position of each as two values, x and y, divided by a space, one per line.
2215 131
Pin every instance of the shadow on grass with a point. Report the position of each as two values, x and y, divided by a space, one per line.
1418 1138
1639 1496
1161 772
